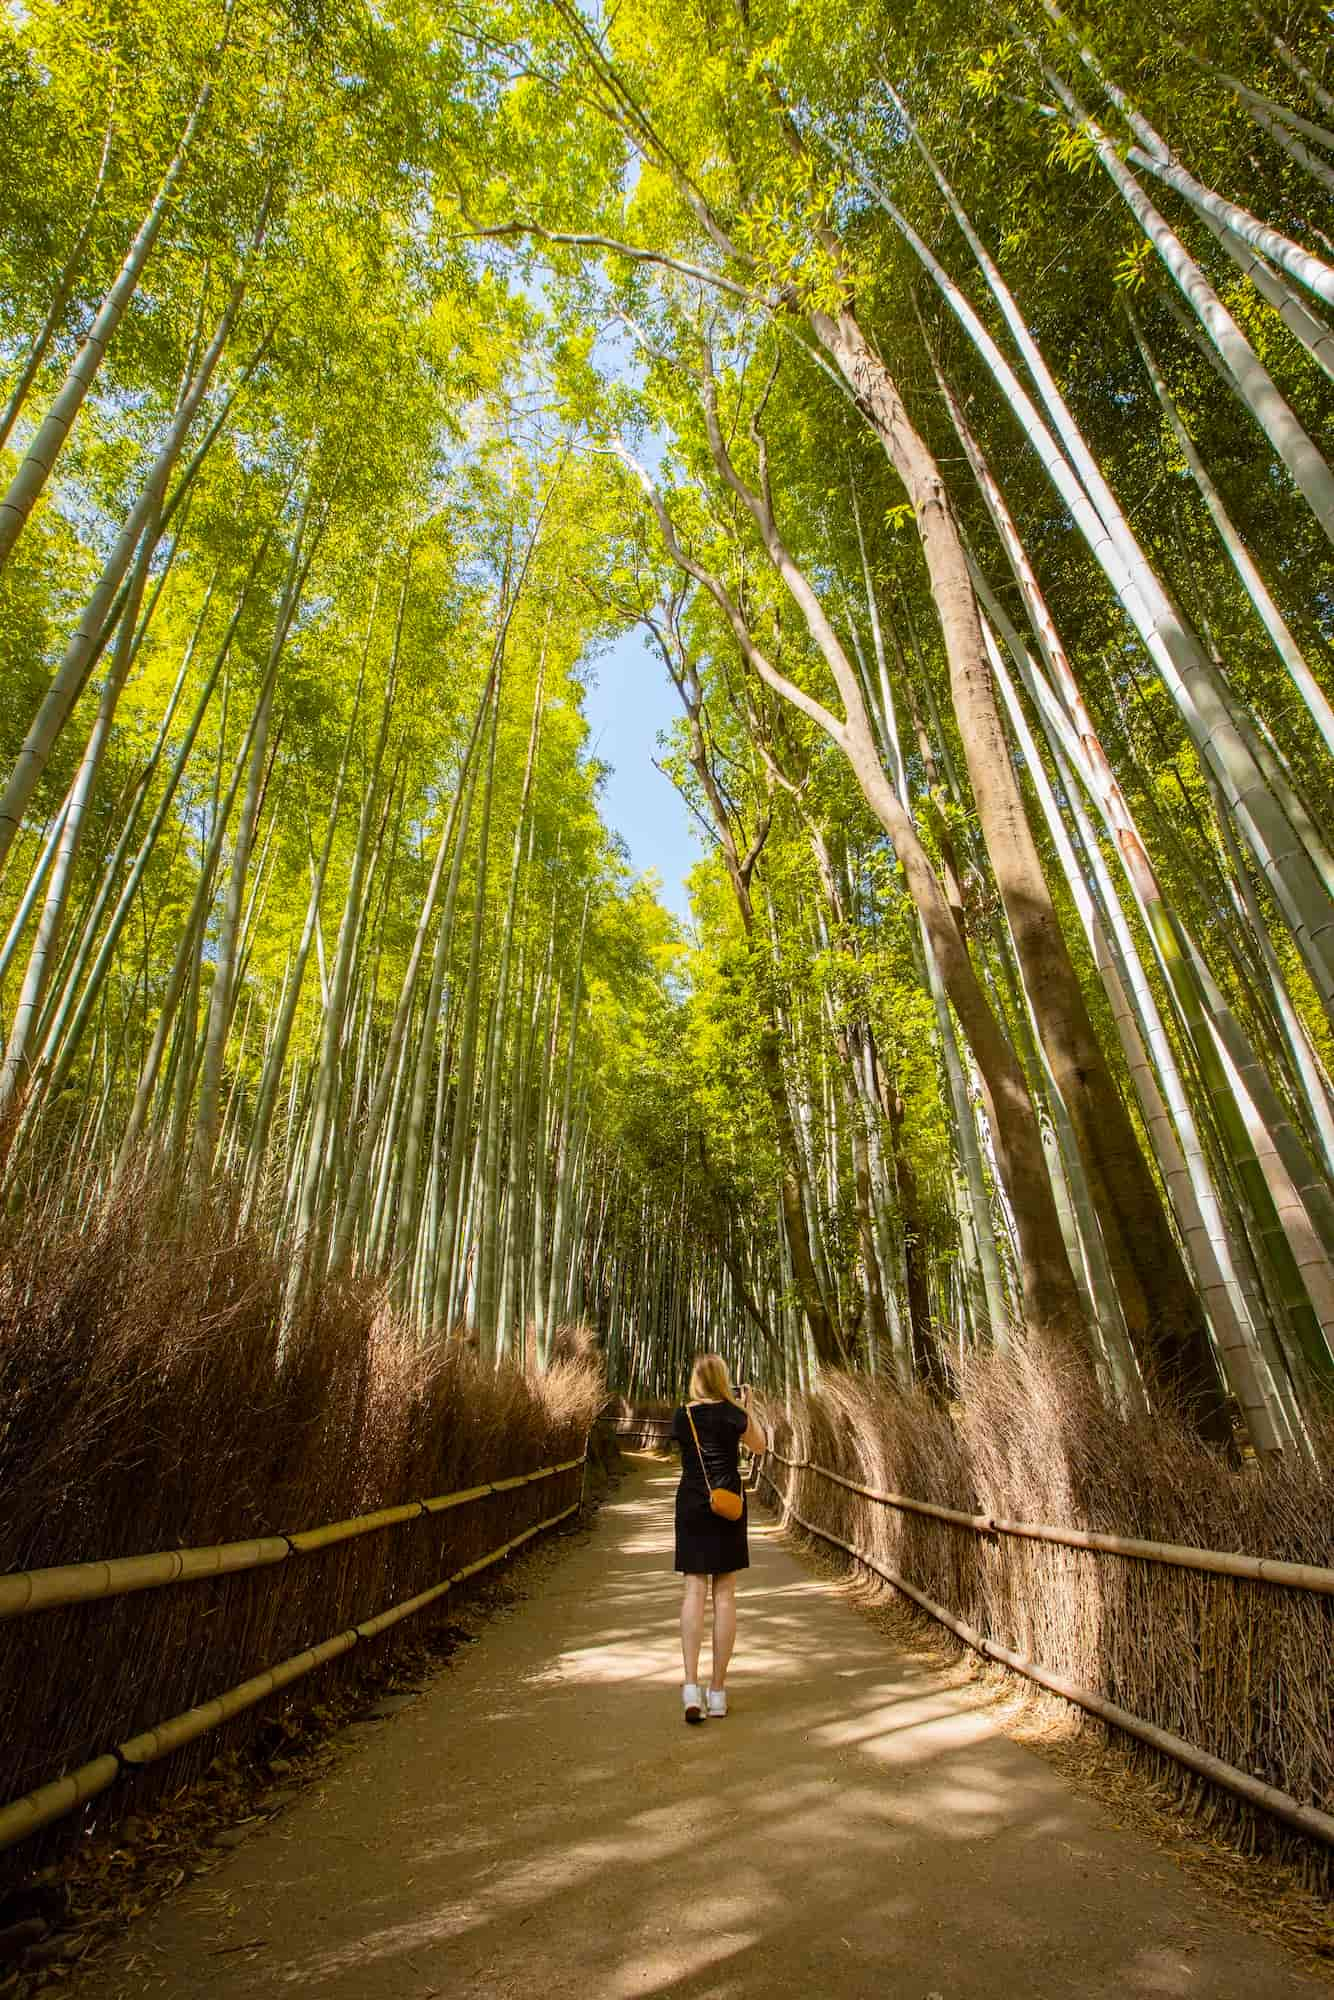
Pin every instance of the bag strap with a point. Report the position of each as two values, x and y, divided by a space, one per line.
699 1448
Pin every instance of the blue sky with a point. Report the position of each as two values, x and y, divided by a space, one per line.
630 702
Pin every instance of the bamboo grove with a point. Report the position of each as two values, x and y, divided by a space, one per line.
306 896
939 393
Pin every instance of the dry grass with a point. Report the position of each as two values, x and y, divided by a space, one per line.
108 1882
144 1404
1242 1669
1268 1893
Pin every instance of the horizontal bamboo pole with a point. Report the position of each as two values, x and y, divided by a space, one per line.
81 1583
1305 1819
1179 1555
51 1802
24 1591
307 1540
444 1501
1215 1562
48 1803
370 1628
508 1485
374 1626
174 1734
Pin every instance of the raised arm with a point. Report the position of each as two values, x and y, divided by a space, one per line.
755 1437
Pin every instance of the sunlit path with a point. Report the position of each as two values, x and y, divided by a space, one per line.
666 731
541 1825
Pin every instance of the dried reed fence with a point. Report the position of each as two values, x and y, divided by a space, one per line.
144 1404
1238 1669
640 1424
83 1583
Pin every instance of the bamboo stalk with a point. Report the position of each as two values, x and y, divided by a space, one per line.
22 1591
84 1583
39 1808
1179 1555
1268 1798
311 1539
51 1802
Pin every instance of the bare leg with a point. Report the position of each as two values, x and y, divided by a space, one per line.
692 1624
724 1626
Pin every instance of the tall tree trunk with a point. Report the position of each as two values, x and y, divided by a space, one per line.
1161 1308
1291 61
450 1285
740 866
315 1163
1156 156
1285 645
60 297
1251 379
222 995
1051 1299
80 979
81 651
391 1066
1188 1183
1283 124
434 1040
13 1069
1174 648
276 1054
493 1336
37 463
565 1152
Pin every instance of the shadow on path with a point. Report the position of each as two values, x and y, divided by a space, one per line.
542 1825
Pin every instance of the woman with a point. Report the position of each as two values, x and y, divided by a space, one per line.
710 1429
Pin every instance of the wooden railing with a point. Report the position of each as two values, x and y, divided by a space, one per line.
26 1591
1282 1805
1306 1577
658 1428
1179 1555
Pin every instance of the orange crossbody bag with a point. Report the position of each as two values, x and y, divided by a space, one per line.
721 1498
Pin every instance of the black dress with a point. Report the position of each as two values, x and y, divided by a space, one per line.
706 1544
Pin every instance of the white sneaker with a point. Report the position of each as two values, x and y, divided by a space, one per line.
692 1702
717 1701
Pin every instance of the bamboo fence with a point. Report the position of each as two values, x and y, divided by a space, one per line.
1303 1577
26 1591
1179 1555
655 1429
1281 1805
1217 1562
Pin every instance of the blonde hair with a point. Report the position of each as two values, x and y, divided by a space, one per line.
709 1380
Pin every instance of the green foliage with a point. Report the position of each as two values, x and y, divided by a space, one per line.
484 256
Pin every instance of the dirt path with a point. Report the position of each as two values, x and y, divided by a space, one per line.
541 1825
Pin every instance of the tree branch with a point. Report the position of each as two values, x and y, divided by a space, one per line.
813 710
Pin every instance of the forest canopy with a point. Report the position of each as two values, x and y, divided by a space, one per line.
940 394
